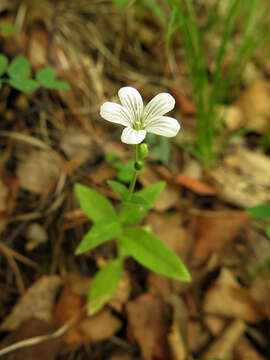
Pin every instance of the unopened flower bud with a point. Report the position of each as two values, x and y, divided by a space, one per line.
143 151
138 165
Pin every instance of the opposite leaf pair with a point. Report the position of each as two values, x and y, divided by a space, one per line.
137 242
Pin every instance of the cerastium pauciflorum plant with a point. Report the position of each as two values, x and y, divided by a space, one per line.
109 223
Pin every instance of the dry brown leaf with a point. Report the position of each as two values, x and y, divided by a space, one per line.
196 185
100 326
215 230
176 343
3 196
260 290
38 170
68 306
73 142
35 235
122 293
37 302
243 177
227 298
147 323
245 351
215 323
224 345
198 336
32 328
232 116
255 103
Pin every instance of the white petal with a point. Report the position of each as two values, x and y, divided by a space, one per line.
131 136
163 125
158 106
131 99
115 113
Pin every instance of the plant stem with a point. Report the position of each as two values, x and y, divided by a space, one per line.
135 174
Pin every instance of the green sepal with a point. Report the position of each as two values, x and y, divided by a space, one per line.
153 253
100 232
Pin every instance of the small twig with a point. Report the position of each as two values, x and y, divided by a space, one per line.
40 339
19 280
19 257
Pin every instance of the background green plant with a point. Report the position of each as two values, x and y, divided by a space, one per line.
244 19
16 74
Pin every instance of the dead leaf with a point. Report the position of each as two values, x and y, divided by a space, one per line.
68 306
147 323
45 350
198 186
3 196
35 235
243 177
37 302
232 116
215 231
38 170
227 298
245 351
73 142
100 326
224 345
122 293
255 104
260 290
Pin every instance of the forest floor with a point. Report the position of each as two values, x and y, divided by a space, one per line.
50 140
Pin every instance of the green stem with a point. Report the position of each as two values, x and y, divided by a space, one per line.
135 174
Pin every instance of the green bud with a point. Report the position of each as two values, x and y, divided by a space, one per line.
143 151
139 165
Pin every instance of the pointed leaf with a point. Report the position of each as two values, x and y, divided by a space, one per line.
119 188
93 204
153 253
19 67
100 232
23 84
259 211
152 192
104 285
3 64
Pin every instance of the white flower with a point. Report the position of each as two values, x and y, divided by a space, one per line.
137 119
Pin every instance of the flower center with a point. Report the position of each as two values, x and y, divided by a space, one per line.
138 122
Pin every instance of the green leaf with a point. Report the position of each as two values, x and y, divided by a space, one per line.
93 204
122 2
3 64
267 230
100 232
152 192
119 188
114 161
46 77
133 210
125 174
151 252
8 29
259 212
19 67
104 285
23 84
